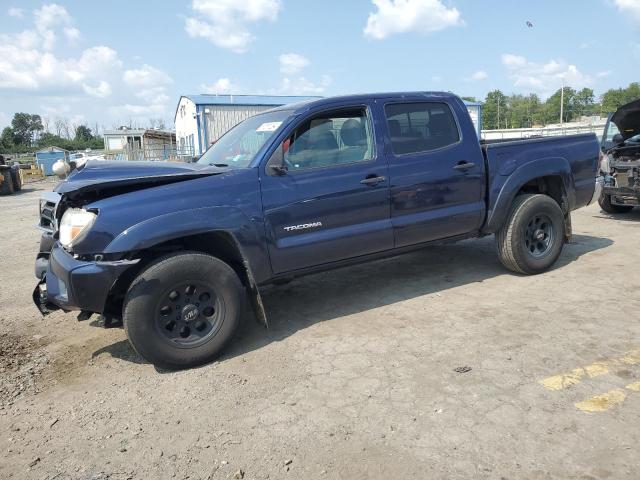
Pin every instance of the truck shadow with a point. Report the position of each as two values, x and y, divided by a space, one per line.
355 289
351 290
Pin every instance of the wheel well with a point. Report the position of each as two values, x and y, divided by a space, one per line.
218 244
551 186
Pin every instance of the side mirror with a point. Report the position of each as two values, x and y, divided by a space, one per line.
617 139
195 158
279 169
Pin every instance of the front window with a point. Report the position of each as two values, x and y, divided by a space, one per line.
329 140
238 147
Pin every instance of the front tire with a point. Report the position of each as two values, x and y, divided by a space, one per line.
605 204
532 238
182 310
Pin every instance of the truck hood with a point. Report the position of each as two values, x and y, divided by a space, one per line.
627 119
100 175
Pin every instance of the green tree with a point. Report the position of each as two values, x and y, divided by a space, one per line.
584 103
495 110
6 139
552 106
24 127
83 134
614 98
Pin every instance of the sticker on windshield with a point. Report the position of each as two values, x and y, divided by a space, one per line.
268 127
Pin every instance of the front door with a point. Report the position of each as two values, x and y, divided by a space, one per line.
436 171
325 192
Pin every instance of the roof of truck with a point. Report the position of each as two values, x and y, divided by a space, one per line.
306 104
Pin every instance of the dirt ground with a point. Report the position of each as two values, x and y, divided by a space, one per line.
436 364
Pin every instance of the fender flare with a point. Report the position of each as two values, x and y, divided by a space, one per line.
185 223
537 168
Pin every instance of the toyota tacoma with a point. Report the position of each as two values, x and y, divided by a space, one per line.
175 250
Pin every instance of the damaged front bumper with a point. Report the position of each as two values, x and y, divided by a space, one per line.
68 283
625 194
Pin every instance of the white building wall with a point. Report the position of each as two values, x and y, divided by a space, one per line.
186 127
115 142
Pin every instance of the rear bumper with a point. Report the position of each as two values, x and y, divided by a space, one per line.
598 190
72 284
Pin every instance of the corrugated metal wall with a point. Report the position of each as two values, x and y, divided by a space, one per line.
220 118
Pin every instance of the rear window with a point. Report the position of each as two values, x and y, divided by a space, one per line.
420 127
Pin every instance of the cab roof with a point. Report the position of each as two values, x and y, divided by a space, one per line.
300 107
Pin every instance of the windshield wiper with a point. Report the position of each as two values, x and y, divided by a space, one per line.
218 165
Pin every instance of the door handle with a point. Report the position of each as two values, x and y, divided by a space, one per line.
372 181
464 165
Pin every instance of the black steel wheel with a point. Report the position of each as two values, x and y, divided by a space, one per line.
188 314
532 237
539 235
183 309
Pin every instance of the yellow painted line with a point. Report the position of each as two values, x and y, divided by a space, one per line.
601 403
634 386
575 376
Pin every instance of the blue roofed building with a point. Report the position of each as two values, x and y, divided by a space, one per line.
200 120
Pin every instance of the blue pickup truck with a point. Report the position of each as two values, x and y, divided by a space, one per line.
175 250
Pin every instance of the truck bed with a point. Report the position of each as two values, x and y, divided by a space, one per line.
511 163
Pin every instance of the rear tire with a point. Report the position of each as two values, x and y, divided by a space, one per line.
605 204
531 239
6 186
182 310
16 178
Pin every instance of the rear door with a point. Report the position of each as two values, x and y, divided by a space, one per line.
331 200
436 169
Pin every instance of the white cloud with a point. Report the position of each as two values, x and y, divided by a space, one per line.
60 85
400 16
72 34
101 90
292 63
16 12
48 18
544 78
631 7
603 74
146 76
303 86
220 86
225 22
479 76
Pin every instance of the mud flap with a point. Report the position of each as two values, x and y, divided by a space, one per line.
254 294
568 232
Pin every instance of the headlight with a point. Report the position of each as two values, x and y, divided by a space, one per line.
74 224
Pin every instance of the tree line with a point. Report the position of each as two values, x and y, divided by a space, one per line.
29 132
526 111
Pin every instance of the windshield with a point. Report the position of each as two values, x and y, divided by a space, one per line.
238 147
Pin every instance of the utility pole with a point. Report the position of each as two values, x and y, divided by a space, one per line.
562 103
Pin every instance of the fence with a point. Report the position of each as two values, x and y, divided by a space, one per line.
165 153
567 129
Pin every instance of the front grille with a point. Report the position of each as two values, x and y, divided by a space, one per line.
48 210
47 217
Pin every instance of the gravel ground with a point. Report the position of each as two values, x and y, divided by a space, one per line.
435 364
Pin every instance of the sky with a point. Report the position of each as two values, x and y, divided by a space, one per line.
120 62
